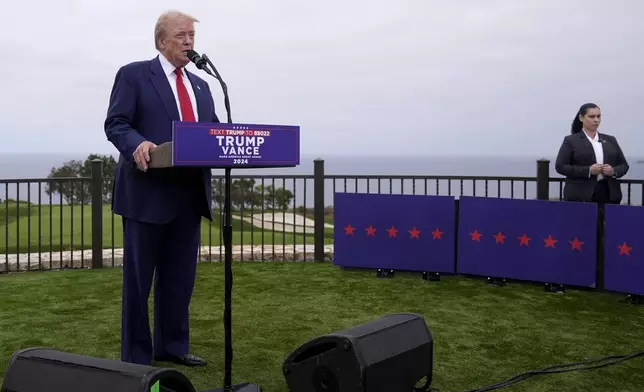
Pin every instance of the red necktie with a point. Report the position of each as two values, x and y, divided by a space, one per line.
187 114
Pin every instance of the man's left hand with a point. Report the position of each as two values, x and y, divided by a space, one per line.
608 170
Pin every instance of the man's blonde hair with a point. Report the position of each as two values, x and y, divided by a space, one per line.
161 27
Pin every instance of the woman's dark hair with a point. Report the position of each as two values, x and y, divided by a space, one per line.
576 122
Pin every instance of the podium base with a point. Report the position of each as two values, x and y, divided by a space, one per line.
245 387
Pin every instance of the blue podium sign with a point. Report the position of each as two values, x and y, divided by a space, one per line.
235 145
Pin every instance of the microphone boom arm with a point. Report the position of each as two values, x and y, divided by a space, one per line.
224 87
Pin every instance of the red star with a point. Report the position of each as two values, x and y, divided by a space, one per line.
415 233
349 229
576 244
499 237
525 240
437 234
624 249
371 231
392 231
550 242
476 236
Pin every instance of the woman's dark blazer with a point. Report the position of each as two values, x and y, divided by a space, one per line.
575 157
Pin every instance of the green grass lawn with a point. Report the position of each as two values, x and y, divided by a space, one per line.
482 334
24 226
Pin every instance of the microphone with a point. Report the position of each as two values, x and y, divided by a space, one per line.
198 60
202 63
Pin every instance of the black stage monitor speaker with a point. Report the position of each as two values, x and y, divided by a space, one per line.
394 353
41 369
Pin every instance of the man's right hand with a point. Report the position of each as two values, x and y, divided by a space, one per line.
142 154
596 169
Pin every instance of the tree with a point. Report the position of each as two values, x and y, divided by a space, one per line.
273 198
71 191
218 195
244 193
265 196
80 191
283 198
109 171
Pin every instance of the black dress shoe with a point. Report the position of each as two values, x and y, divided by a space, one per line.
186 360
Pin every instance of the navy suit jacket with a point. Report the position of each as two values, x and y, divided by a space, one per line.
142 107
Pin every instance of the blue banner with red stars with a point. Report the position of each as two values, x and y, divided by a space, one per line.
400 232
623 249
532 240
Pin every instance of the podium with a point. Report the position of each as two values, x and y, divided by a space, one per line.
229 146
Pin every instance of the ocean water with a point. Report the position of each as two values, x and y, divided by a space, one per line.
37 166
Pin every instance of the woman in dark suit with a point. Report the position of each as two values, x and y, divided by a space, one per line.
591 161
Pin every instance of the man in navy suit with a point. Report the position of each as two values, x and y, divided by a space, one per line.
161 208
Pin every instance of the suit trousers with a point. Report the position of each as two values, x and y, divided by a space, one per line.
601 194
167 253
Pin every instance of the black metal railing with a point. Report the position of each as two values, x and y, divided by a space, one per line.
54 223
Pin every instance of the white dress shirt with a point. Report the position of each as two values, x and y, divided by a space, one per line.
169 69
599 151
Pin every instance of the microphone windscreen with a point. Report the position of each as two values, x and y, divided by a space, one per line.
192 55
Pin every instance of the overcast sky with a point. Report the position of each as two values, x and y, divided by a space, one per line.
368 77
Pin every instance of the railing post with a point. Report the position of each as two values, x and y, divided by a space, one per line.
97 213
601 261
543 179
318 209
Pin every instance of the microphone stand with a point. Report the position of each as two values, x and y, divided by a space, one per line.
228 256
224 87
